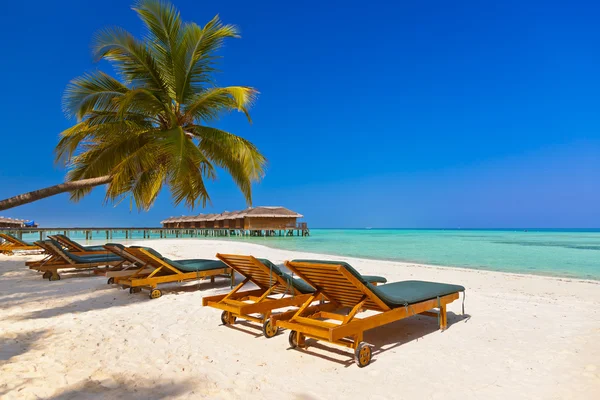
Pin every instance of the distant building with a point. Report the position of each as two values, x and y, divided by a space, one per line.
16 223
253 218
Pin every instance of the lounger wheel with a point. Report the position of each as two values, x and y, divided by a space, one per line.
155 293
110 281
269 329
293 339
227 318
47 275
362 354
54 277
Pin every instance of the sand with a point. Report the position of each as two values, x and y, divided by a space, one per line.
523 337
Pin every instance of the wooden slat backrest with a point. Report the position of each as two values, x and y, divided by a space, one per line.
47 248
257 272
68 243
13 239
337 284
123 253
51 248
146 258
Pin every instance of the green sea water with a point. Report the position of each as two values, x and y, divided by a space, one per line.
566 253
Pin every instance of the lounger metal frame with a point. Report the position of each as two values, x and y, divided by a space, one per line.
344 291
162 272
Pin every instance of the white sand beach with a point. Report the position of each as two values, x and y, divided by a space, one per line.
523 337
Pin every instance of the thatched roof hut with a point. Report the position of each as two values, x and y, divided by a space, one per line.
270 212
263 217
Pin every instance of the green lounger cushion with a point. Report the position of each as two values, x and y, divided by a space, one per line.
298 284
399 294
119 245
86 248
93 258
94 248
96 258
188 265
304 287
365 279
196 265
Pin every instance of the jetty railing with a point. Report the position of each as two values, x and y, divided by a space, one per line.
103 233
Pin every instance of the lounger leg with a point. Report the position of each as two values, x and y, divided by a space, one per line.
443 317
357 339
212 279
55 276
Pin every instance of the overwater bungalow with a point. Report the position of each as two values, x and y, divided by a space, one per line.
256 220
16 223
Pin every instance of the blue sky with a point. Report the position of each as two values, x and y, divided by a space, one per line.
382 114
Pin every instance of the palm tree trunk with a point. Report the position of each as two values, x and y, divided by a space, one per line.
51 191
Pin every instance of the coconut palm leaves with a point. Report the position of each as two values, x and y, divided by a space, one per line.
149 128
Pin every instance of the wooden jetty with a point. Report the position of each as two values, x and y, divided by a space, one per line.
127 233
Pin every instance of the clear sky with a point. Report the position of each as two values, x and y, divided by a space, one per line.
376 113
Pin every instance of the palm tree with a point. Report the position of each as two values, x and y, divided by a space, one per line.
149 128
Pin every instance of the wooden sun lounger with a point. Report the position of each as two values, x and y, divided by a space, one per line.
165 271
12 244
346 289
257 305
60 258
134 264
270 281
74 247
71 247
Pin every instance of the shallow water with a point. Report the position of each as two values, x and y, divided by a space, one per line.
567 253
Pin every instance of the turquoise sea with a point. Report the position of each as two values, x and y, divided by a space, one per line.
566 253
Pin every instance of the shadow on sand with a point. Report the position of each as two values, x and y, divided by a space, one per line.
15 345
121 388
385 338
106 296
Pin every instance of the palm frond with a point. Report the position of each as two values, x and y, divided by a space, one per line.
95 91
238 156
83 135
164 37
143 101
201 44
131 58
209 104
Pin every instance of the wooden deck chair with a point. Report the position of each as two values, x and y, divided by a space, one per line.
166 270
74 247
257 305
63 259
12 244
133 263
348 291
